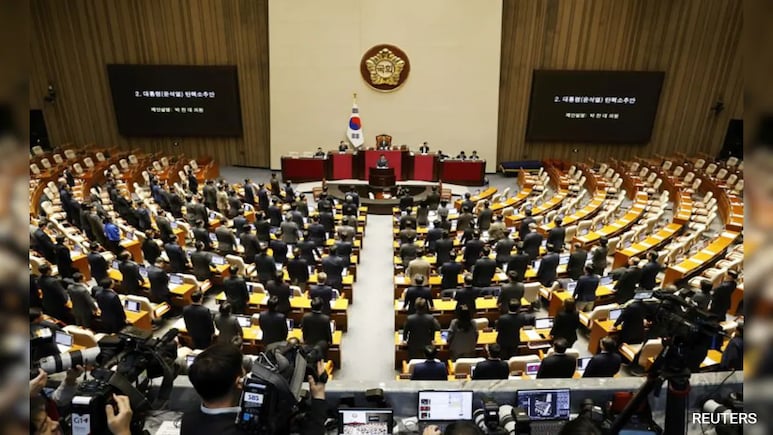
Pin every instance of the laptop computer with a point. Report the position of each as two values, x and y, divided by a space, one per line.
132 306
570 286
563 259
218 260
175 279
606 280
536 264
614 314
543 323
115 264
244 321
642 295
442 408
365 421
532 369
63 341
582 364
548 410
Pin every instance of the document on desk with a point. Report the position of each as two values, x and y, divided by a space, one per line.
532 334
709 362
168 428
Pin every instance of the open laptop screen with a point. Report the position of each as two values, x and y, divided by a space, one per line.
614 314
543 323
545 404
63 338
133 306
445 405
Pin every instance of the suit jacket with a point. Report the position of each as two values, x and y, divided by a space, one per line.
344 252
113 316
177 258
98 266
198 322
251 245
274 215
519 263
349 209
407 235
510 291
407 220
226 241
327 220
83 304
548 269
144 221
236 293
265 266
585 290
565 325
210 196
64 261
324 292
45 246
531 244
450 274
626 285
599 257
282 291
557 365
414 292
333 266
418 332
491 369
523 229
159 285
603 365
721 298
472 250
422 215
289 232
279 250
239 222
509 330
632 318
234 204
433 235
484 219
649 274
467 296
316 328
164 227
317 233
576 264
496 231
464 221
406 202
556 237
132 280
408 252
483 272
263 230
443 250
503 248
228 327
150 251
201 261
274 327
298 269
419 266
308 250
430 370
732 357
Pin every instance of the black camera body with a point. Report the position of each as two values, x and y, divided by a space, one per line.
88 407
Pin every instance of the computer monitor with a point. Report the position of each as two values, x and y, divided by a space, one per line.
545 404
543 323
445 405
115 264
130 235
244 321
563 259
132 306
362 421
614 314
606 280
570 286
582 363
62 338
532 368
175 279
218 260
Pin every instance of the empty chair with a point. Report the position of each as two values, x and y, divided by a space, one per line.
613 244
235 260
599 312
738 188
34 169
678 171
69 154
58 159
45 163
731 180
133 159
699 164
732 161
572 352
100 156
82 336
582 228
571 231
711 168
157 166
518 363
505 193
77 168
531 292
38 150
481 323
634 167
667 165
297 293
88 162
603 168
164 161
721 174
124 164
645 351
308 154
695 185
463 366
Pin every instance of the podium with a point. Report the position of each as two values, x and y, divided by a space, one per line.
342 166
382 177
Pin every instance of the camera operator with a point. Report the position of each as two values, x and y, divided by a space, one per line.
217 374
118 418
456 428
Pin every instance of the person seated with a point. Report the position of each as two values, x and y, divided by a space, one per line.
383 145
605 364
431 369
493 367
382 162
474 155
342 147
424 148
320 154
441 155
558 364
461 156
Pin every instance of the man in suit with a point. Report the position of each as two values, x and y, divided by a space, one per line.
519 262
131 281
585 290
548 267
322 291
557 234
159 283
298 269
449 272
432 369
702 299
526 222
625 287
512 290
201 261
97 263
424 148
406 220
234 204
416 291
265 266
236 292
466 220
239 222
649 272
279 251
200 234
406 235
210 194
632 319
577 259
493 367
485 216
316 326
732 356
164 224
498 230
503 249
344 251
277 287
532 242
113 317
177 259
509 329
599 256
250 243
605 364
317 232
63 258
199 322
308 249
193 183
288 231
43 243
721 298
84 307
419 330
467 294
406 202
444 249
382 161
273 323
333 266
558 364
433 235
144 222
274 213
196 210
226 241
327 220
349 208
484 269
408 252
419 266
472 250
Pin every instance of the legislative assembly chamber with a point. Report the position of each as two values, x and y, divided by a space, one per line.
364 217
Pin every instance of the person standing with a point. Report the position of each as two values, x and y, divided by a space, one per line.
198 322
462 334
585 290
566 323
419 330
84 307
229 330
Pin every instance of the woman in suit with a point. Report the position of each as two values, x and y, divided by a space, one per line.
566 322
462 334
228 326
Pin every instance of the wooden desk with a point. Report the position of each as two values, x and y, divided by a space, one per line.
552 203
600 329
300 306
81 262
590 209
654 241
181 294
140 320
444 311
402 282
486 194
701 259
619 226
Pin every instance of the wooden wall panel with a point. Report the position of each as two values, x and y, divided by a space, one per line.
72 41
696 42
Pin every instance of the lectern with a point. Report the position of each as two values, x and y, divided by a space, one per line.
382 177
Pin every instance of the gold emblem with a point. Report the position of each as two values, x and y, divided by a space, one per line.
384 67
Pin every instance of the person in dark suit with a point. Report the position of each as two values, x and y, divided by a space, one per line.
649 272
532 242
433 235
235 205
484 269
279 251
493 367
274 186
408 251
317 232
333 266
511 290
519 262
250 243
485 216
144 222
632 319
605 364
523 229
165 227
178 261
503 249
472 250
265 266
277 287
577 259
226 241
83 304
467 294
548 267
585 290
262 228
97 263
308 249
382 162
702 298
272 323
431 369
201 261
210 194
419 330
159 283
422 214
413 293
239 222
236 292
193 183
558 364
599 256
509 329
732 356
566 322
298 269
327 220
316 326
43 243
198 322
556 235
465 220
131 281
274 213
150 247
263 198
721 298
444 249
322 291
113 316
449 272
625 287
424 148
63 258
